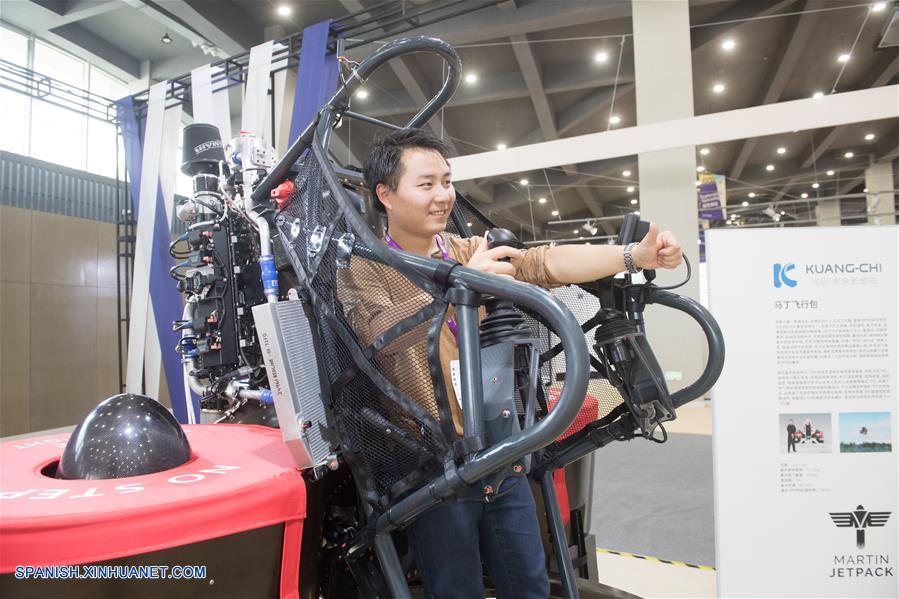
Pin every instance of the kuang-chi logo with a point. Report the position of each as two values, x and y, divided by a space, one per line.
781 277
860 519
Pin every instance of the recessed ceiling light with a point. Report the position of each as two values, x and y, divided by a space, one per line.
555 213
523 182
469 224
830 173
633 200
700 169
817 95
166 39
769 168
803 195
361 94
601 56
718 88
816 185
843 57
865 190
781 150
625 173
501 146
751 194
471 78
848 154
637 212
745 203
697 184
869 137
704 151
728 44
878 6
783 213
614 119
576 231
284 10
630 188
542 200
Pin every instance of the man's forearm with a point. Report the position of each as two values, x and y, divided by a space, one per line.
583 263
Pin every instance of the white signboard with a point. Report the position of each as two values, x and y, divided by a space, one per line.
805 412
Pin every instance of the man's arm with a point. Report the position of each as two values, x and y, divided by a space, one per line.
580 263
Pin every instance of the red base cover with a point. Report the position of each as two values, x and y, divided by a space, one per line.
239 478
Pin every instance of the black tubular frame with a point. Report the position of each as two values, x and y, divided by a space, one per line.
465 288
713 336
339 101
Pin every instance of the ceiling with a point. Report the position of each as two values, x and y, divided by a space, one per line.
538 78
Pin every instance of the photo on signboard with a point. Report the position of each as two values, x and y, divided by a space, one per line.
865 432
805 433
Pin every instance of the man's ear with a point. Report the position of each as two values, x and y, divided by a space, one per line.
384 195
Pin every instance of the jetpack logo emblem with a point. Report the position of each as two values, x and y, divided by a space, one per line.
781 277
860 519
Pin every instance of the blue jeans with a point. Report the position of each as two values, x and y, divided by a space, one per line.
449 541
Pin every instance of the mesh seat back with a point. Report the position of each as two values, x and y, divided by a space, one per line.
374 317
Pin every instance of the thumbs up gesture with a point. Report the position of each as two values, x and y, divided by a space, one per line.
657 250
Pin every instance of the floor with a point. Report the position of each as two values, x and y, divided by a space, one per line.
654 502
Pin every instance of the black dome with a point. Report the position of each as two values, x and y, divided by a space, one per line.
125 435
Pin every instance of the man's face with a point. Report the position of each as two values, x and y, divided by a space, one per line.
424 196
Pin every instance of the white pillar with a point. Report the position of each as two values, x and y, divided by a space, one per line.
664 80
827 213
881 199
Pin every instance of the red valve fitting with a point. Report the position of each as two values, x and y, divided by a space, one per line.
281 193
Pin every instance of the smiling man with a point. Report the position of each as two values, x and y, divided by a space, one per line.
411 182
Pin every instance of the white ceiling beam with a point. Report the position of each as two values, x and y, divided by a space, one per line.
420 98
883 71
794 39
181 19
739 11
500 88
770 119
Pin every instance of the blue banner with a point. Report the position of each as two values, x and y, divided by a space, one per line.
165 299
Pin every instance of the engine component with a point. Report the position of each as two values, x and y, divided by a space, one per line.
227 269
125 435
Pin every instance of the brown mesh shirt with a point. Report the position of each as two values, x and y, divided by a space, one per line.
375 297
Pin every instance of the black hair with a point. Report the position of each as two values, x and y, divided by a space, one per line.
384 164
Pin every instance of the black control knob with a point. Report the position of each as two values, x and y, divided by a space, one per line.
498 236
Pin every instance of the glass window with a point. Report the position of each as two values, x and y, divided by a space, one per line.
59 65
14 116
101 148
58 135
13 47
106 85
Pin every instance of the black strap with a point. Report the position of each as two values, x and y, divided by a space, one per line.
468 445
443 271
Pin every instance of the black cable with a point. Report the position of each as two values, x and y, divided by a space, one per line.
664 433
175 275
682 283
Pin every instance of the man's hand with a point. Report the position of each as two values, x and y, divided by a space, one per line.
657 250
494 261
